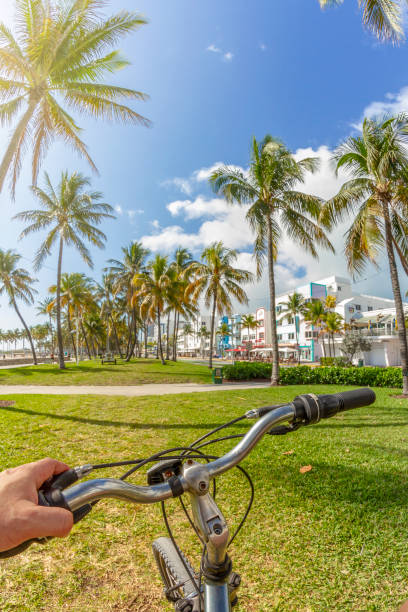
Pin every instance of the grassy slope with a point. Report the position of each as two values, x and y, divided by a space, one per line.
137 372
332 539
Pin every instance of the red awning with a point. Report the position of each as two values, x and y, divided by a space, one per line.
236 349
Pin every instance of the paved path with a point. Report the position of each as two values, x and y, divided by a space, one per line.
130 391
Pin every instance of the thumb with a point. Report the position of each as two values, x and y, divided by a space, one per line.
45 522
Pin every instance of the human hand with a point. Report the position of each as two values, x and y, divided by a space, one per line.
21 518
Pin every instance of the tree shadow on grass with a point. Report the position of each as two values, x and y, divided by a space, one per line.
106 423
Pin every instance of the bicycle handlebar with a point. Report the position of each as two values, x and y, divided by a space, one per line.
304 410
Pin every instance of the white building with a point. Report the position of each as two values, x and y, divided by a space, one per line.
374 315
195 343
348 304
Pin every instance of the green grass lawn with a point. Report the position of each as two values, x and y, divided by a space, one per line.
136 372
335 538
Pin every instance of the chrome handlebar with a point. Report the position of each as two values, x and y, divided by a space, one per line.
194 479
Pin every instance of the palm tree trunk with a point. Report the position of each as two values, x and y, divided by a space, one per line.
297 341
167 336
212 332
85 338
59 328
145 332
177 330
115 333
272 299
159 339
399 310
15 140
175 337
71 335
13 301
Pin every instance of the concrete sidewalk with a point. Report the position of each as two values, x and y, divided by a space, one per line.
129 391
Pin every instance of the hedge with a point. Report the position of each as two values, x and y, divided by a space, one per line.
300 375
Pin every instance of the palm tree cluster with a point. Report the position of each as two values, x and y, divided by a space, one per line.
135 292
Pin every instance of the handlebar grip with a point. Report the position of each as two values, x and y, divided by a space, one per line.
310 408
346 400
50 498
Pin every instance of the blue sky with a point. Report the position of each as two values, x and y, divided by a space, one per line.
217 74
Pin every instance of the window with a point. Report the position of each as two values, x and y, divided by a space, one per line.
260 323
291 336
358 306
311 334
338 288
369 308
261 336
290 320
279 336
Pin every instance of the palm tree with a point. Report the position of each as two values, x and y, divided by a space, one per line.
383 17
249 322
123 271
223 331
71 214
219 281
187 331
203 334
17 284
377 197
178 296
45 308
151 288
275 206
293 308
106 295
62 50
334 324
315 313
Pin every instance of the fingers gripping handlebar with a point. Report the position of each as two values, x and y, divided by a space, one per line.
304 410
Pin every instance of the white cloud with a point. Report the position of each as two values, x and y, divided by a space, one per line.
393 104
155 223
200 207
187 185
118 209
227 56
262 46
132 213
183 184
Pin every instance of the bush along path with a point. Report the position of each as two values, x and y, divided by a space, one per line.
301 375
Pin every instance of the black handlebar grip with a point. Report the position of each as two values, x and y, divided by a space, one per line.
346 400
310 408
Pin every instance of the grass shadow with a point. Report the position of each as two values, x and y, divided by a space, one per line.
106 423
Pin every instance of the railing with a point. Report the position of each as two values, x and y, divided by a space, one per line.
384 331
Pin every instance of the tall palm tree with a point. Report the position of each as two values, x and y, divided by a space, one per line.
105 293
383 17
178 297
249 323
377 200
275 207
17 284
203 334
334 324
151 289
45 309
62 50
71 214
219 281
293 308
315 313
123 271
223 331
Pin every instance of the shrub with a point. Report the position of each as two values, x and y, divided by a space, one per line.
340 362
303 375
